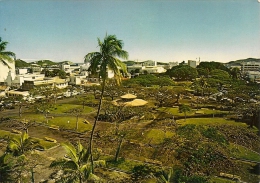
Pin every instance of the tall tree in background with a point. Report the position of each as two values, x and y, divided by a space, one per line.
107 58
5 56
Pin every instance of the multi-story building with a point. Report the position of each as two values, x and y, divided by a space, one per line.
192 63
250 66
59 83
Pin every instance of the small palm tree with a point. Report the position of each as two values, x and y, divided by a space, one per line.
166 177
184 108
5 56
107 58
75 166
19 145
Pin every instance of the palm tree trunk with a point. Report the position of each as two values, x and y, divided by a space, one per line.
94 126
77 123
20 110
118 149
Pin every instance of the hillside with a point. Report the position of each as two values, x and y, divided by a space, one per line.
21 63
44 62
245 60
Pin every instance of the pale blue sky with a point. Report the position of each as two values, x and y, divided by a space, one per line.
165 30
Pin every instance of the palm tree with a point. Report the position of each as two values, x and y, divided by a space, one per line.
166 177
76 166
5 56
107 58
19 145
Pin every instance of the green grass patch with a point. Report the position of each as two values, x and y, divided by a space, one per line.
34 117
175 111
209 121
69 122
157 135
241 152
5 134
123 164
64 108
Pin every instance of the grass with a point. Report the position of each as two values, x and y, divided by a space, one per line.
209 121
241 152
69 122
63 108
175 111
157 135
123 164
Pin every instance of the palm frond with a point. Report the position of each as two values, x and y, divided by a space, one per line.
71 151
64 164
8 53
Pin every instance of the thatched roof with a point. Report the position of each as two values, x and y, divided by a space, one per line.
128 96
136 102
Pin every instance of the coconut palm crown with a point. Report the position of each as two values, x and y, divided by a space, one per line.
5 56
108 58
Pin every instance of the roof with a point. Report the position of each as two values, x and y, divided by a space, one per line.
136 102
128 96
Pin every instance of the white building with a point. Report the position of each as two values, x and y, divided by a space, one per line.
192 63
149 63
19 79
250 66
4 70
153 69
170 65
253 75
70 68
21 71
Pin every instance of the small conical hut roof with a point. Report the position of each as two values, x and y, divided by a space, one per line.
136 102
128 96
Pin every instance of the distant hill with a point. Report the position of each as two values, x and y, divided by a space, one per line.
20 63
67 62
161 63
44 62
129 62
244 60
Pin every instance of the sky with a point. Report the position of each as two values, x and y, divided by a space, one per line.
159 30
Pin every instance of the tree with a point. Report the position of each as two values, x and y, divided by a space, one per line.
203 84
19 145
163 96
184 108
112 89
235 73
44 107
5 56
210 66
76 167
76 112
21 102
220 75
166 176
111 49
182 73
